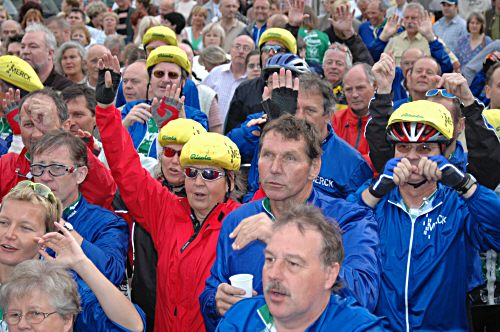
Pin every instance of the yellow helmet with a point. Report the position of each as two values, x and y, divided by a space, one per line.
19 73
169 54
420 121
493 118
211 149
281 35
179 131
162 33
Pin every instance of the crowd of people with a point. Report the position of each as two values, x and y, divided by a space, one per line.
152 152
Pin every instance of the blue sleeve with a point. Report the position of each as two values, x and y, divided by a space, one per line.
190 91
398 91
376 48
363 173
93 318
439 53
120 97
483 218
360 270
109 250
242 136
197 115
218 274
477 85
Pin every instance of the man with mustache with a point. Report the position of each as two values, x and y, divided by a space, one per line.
300 282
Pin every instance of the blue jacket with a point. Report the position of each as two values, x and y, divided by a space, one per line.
340 315
440 248
359 271
105 244
138 131
343 169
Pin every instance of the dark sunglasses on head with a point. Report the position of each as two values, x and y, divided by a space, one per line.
169 152
207 174
274 48
161 73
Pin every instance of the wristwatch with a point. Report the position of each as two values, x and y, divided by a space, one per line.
68 226
469 182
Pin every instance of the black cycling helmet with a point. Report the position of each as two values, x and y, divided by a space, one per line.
289 61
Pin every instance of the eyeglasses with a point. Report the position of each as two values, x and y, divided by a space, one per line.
274 48
240 47
161 73
420 148
39 189
54 169
32 317
207 174
442 92
253 66
169 152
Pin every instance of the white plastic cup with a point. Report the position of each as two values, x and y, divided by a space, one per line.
243 281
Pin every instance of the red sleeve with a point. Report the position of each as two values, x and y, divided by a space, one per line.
145 197
99 187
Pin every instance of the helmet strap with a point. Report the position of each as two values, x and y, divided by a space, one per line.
416 185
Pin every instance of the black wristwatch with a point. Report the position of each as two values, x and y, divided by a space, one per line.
469 182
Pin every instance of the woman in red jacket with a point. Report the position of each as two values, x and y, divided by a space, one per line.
184 230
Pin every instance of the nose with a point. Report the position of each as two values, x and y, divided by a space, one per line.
275 166
275 270
11 233
45 177
23 323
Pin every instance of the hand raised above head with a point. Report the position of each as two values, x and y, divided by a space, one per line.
107 80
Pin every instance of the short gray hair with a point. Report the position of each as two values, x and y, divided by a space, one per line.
50 39
63 48
342 48
414 5
308 217
53 280
312 82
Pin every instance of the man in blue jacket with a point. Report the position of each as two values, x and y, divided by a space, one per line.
166 66
59 161
290 159
300 288
432 221
343 169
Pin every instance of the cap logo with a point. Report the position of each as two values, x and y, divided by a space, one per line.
165 55
168 138
156 34
14 70
408 115
195 156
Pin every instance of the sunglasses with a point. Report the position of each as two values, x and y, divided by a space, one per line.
54 169
420 148
207 174
442 92
274 48
169 152
161 73
39 189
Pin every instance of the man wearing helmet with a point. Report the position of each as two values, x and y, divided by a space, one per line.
184 230
432 221
168 66
247 97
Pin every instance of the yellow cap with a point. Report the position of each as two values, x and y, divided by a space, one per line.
19 73
493 118
426 112
280 35
211 149
179 131
169 54
162 33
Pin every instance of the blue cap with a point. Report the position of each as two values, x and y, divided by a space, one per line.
451 2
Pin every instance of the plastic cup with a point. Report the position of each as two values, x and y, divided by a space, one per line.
243 281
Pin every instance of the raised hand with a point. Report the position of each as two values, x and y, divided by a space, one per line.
456 84
384 71
10 100
140 113
108 80
342 21
283 96
425 27
391 28
296 13
171 106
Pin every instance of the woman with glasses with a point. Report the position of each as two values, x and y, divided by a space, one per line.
184 230
30 299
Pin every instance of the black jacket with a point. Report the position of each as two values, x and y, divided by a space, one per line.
360 52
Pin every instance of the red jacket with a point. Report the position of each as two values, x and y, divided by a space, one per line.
351 128
184 260
98 188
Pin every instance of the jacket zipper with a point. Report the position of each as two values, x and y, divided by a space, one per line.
408 261
359 132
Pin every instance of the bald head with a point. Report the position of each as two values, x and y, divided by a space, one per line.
242 45
409 57
94 53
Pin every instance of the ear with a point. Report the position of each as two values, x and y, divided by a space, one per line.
65 125
68 323
332 273
81 174
487 90
315 168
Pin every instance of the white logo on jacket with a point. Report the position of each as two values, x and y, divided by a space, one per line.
430 225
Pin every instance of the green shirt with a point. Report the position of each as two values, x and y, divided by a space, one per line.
317 43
